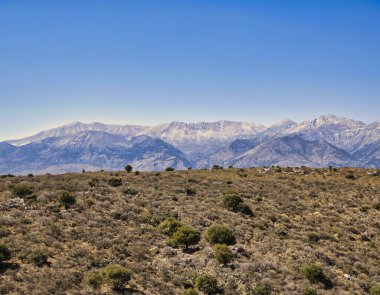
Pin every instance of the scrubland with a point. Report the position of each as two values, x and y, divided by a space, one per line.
290 231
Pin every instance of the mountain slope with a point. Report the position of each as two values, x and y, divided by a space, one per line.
337 131
75 128
91 150
295 151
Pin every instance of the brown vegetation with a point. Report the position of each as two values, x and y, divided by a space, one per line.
312 231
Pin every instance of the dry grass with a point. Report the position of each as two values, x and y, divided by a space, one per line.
300 216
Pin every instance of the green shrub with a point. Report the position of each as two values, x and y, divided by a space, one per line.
151 219
350 176
128 168
169 226
38 257
95 280
375 290
314 273
233 202
220 234
190 192
262 289
223 254
22 190
186 236
67 199
169 169
116 276
115 182
190 291
207 284
309 291
245 209
5 253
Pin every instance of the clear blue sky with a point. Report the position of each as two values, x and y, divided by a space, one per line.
150 62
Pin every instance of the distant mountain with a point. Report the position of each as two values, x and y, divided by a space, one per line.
75 128
91 150
323 141
295 151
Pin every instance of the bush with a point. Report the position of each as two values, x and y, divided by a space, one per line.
262 290
95 280
233 202
128 168
223 254
350 176
5 253
67 199
115 182
220 234
151 219
314 273
217 167
309 291
207 284
190 291
22 190
116 276
245 209
169 226
38 257
375 290
186 236
169 169
190 192
377 206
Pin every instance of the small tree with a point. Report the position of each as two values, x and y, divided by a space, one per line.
128 168
186 236
5 253
207 284
67 199
220 234
169 226
169 169
223 254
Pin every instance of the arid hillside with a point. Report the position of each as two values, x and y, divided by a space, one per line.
226 231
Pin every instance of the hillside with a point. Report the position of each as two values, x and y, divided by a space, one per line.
311 231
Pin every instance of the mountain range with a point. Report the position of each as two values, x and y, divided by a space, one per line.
320 142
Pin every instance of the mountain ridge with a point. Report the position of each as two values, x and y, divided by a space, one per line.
325 140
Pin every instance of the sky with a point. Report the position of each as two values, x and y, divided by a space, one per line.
148 62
